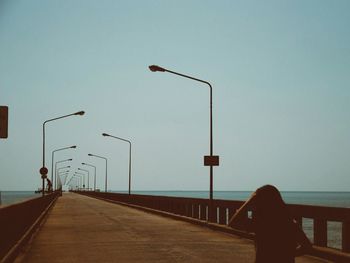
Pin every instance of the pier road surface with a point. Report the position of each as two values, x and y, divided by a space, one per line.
84 229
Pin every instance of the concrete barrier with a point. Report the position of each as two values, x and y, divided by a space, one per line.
19 221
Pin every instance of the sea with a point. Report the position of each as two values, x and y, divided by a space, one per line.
331 199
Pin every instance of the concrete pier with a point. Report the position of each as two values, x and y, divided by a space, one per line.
84 229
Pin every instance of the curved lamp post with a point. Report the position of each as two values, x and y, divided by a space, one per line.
87 164
90 154
65 177
83 176
88 176
52 158
66 160
211 160
63 172
68 183
74 182
58 170
108 135
43 170
80 180
60 173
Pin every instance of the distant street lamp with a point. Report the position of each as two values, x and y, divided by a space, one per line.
90 154
88 175
87 164
56 179
43 169
58 170
60 173
72 184
63 172
65 177
83 176
68 183
211 160
107 135
80 180
52 158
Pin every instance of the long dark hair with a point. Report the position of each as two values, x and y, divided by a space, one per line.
270 209
275 235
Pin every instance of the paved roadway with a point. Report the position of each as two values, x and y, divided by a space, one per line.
83 229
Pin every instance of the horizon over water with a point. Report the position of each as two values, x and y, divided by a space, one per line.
322 198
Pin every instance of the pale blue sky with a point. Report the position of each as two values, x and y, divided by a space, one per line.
280 76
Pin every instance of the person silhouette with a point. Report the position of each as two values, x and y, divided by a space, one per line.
278 238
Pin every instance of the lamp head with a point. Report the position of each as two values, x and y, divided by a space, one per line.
105 134
73 147
83 163
70 160
155 68
90 154
80 113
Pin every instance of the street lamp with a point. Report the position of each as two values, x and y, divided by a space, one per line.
83 176
88 175
68 183
43 169
108 135
59 174
71 182
63 172
90 154
52 158
65 167
64 175
66 160
87 164
211 160
80 180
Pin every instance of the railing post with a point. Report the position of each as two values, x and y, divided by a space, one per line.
188 210
203 209
346 236
196 211
222 215
320 232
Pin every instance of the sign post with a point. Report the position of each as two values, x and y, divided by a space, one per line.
43 171
4 122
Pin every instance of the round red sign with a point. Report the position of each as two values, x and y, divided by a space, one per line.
43 171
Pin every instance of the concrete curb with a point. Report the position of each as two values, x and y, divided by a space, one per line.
16 249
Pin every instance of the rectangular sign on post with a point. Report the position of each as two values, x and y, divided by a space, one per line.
4 122
211 160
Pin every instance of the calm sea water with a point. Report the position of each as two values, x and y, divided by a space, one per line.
333 199
12 197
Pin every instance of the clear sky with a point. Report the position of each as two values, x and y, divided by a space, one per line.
281 91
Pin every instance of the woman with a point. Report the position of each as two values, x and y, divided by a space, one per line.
278 238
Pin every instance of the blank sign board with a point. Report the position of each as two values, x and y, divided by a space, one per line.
211 160
4 112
